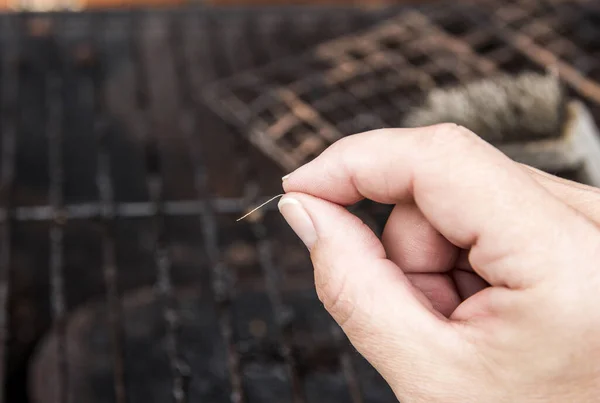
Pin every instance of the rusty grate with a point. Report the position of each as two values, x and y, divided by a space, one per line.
117 213
352 84
295 108
560 34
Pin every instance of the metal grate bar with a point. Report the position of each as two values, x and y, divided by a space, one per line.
221 288
165 287
7 170
549 33
585 86
110 270
108 219
57 292
155 185
220 274
279 309
83 211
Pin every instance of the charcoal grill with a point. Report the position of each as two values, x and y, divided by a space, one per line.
120 190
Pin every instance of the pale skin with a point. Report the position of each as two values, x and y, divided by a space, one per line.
485 286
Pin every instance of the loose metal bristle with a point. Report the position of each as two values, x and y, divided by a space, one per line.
259 207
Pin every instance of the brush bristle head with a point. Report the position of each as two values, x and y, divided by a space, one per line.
529 106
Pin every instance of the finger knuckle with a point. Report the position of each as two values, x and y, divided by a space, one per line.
446 135
339 146
350 140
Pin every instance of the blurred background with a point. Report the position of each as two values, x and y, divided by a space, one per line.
134 134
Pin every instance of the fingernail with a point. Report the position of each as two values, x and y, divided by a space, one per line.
285 177
299 220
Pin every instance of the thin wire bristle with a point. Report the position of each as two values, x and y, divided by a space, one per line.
259 207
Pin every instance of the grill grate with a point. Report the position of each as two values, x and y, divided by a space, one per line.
297 107
111 172
560 34
363 82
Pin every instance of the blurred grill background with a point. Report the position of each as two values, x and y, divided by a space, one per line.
129 147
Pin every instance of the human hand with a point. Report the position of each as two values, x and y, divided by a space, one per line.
485 286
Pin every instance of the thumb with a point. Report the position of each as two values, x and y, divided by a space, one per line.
392 324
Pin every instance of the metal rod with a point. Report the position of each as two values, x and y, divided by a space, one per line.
9 138
57 291
272 283
219 273
155 185
85 211
220 289
108 218
164 285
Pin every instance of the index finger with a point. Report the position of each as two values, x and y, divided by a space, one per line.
469 191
